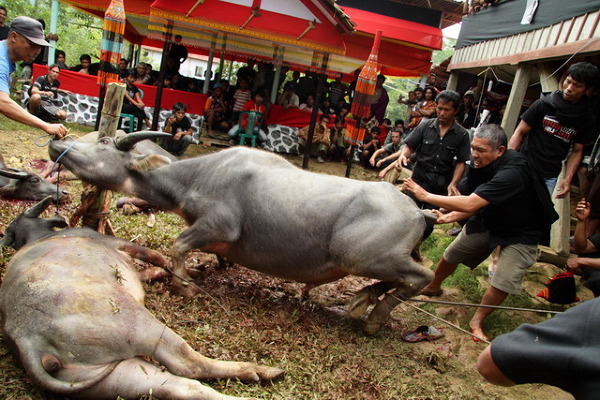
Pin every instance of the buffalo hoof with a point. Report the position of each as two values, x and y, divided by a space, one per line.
359 304
260 373
372 327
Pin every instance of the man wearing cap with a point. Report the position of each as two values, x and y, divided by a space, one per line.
467 112
25 40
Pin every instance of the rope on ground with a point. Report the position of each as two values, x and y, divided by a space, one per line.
454 303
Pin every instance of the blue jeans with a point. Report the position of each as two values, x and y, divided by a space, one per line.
550 184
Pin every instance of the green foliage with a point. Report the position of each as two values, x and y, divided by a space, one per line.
78 33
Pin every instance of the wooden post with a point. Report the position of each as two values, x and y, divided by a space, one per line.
452 81
559 234
95 204
515 99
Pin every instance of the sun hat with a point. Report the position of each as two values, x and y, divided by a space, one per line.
31 29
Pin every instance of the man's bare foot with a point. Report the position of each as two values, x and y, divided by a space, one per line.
477 331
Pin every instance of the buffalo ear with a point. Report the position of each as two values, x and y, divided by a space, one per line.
148 163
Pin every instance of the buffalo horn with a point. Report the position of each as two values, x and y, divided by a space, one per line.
13 173
39 208
126 142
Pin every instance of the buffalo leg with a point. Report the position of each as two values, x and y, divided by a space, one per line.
367 296
180 359
409 285
136 377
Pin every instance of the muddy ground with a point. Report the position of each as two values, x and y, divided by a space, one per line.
243 315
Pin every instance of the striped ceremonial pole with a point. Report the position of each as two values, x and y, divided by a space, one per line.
363 98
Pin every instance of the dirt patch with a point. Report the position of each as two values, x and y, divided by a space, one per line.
245 315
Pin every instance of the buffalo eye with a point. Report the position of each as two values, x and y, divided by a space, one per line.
34 179
104 140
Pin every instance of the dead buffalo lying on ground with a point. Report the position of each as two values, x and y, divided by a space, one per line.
24 185
71 305
256 209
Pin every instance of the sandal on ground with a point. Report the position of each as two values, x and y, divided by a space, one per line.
423 332
435 293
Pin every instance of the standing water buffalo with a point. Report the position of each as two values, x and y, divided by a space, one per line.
71 305
256 209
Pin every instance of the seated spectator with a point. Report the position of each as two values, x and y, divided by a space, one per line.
563 351
192 86
257 104
241 96
337 90
370 146
59 59
588 247
320 140
326 107
167 82
398 127
215 110
151 79
177 82
309 104
141 76
123 69
180 127
384 156
288 99
339 150
386 127
84 64
133 104
43 94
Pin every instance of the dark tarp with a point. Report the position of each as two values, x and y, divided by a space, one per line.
421 15
504 18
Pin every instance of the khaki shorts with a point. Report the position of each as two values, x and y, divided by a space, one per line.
513 262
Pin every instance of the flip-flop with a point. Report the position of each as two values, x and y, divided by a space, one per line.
423 332
436 293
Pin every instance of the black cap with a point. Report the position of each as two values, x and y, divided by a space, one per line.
31 29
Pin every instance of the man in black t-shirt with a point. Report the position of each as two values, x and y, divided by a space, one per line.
588 248
555 122
563 351
509 207
180 127
44 92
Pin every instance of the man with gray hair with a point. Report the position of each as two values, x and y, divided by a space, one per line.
510 207
25 40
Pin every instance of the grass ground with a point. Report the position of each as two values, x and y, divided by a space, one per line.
244 315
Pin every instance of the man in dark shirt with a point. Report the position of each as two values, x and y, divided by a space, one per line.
563 351
555 122
4 29
441 147
510 207
180 127
44 92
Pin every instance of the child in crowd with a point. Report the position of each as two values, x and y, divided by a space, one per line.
132 103
179 126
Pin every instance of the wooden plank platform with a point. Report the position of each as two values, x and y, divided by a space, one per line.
212 141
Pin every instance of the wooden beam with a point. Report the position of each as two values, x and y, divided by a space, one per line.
452 81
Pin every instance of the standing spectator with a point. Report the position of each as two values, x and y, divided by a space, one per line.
4 29
409 103
141 76
306 85
441 147
488 114
380 99
425 109
247 72
337 90
176 56
510 209
180 127
431 81
293 82
25 40
419 94
241 96
215 110
352 86
59 59
43 94
467 112
320 140
326 107
132 103
555 122
256 104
